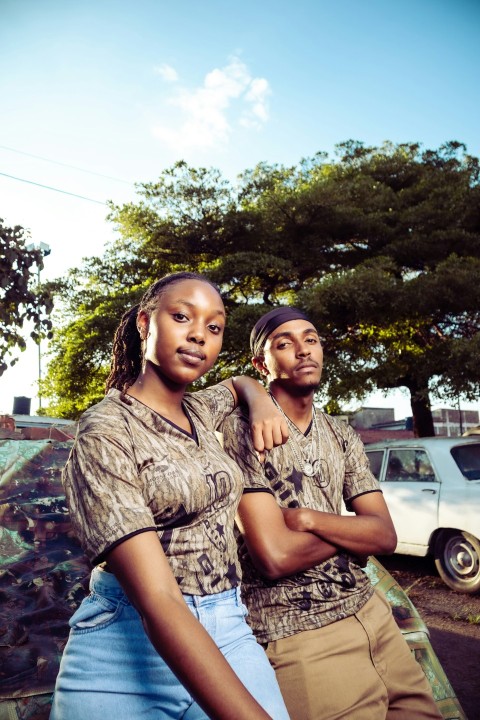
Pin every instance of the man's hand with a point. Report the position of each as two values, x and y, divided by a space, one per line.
297 519
369 532
300 520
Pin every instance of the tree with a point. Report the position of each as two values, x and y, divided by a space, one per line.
21 300
385 332
366 241
408 315
190 219
177 225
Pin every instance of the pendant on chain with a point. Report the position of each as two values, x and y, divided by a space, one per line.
308 469
306 465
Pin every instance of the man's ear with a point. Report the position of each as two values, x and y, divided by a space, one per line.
259 365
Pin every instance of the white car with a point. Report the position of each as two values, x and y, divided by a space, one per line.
432 489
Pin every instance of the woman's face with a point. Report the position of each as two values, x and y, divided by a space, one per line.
184 333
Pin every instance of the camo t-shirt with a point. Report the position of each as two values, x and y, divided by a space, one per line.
336 588
131 471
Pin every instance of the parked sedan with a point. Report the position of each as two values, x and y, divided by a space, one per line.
432 489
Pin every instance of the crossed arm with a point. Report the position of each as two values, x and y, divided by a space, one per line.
284 541
277 550
368 532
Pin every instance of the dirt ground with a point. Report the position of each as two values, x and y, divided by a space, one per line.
453 620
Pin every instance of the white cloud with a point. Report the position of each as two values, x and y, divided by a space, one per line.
257 95
167 72
206 114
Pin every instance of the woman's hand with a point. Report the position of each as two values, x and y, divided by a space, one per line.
268 425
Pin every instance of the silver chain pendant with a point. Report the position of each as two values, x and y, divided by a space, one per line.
306 465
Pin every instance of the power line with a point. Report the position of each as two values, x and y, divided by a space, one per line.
48 187
57 162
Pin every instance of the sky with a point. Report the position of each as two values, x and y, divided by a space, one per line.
97 95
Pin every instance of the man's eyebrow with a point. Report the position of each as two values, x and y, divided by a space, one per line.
288 333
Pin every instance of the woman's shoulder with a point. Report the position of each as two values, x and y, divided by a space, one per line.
104 415
210 398
210 405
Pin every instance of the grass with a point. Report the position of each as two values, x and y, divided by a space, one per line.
468 617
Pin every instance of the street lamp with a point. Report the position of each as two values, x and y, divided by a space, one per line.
45 250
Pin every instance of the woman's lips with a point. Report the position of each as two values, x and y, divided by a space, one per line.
192 357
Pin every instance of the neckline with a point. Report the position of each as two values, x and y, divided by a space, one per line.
307 431
192 435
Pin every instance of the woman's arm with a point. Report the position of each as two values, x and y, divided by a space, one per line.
142 569
267 423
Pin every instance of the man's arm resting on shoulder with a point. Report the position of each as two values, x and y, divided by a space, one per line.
275 549
370 531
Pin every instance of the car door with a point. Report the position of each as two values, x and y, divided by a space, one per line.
412 492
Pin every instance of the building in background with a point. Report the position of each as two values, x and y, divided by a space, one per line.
376 424
454 422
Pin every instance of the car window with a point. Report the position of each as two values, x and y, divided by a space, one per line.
467 458
409 464
375 458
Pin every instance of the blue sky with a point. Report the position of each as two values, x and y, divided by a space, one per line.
110 92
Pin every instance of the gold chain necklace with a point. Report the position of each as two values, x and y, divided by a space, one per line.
305 463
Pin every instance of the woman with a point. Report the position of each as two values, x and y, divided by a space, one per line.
152 498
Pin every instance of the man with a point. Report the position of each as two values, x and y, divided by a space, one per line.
330 636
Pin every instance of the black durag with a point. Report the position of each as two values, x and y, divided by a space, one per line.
269 322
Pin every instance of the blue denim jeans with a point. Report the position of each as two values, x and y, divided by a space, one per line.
111 671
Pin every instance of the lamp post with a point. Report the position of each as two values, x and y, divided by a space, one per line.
45 250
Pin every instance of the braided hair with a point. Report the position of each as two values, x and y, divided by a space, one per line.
127 353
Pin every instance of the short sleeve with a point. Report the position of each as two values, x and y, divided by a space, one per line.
211 406
359 479
104 494
237 442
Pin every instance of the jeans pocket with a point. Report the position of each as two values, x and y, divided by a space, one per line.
94 613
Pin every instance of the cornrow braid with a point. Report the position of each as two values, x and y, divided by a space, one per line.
127 352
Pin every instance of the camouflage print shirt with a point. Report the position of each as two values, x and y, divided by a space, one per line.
336 588
131 470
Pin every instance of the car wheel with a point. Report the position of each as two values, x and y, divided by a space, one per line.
457 559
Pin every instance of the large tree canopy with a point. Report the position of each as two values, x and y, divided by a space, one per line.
21 299
407 313
381 245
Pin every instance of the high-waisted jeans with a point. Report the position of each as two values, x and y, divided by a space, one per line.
111 671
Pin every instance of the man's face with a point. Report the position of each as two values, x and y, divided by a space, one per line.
292 356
